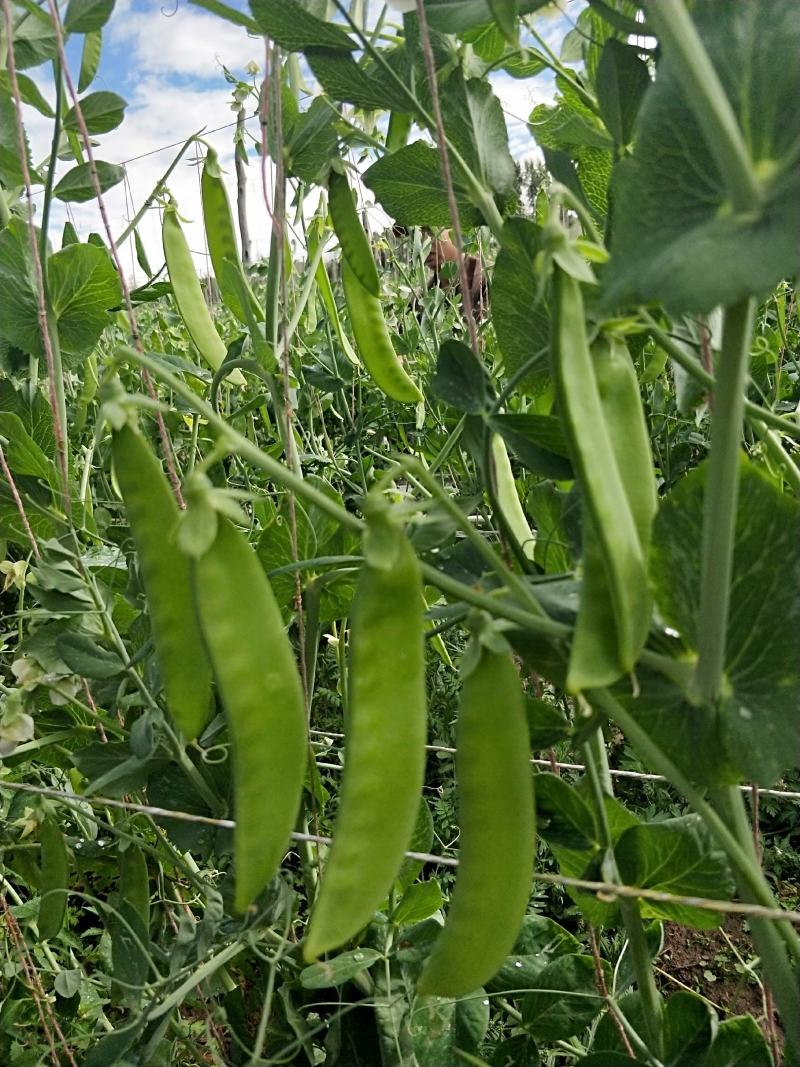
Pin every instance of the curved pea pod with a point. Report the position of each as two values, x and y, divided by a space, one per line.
373 342
134 882
399 128
594 658
263 697
189 296
222 243
508 498
153 516
498 832
347 226
385 759
55 868
594 459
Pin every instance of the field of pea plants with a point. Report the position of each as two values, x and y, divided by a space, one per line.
400 537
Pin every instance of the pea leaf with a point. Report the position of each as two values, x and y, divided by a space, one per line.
674 856
739 1043
562 815
453 16
409 185
102 112
689 1025
520 316
622 81
34 38
76 185
678 238
83 286
461 379
474 123
565 998
419 902
87 16
343 79
763 672
85 657
537 441
22 452
294 28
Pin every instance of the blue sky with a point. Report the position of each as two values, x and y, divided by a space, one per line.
165 58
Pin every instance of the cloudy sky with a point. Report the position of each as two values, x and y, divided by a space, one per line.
165 57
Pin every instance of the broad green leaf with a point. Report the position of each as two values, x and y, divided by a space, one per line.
83 286
409 186
338 970
111 766
540 941
90 59
517 1051
33 411
421 841
87 16
739 1043
689 1026
504 13
677 237
76 186
19 323
29 94
23 454
622 81
565 998
461 379
34 39
538 443
547 724
294 28
520 316
230 14
471 1022
567 125
762 670
312 142
344 80
453 16
562 815
102 112
548 507
109 1050
432 1025
674 856
474 123
85 657
129 944
610 1059
419 902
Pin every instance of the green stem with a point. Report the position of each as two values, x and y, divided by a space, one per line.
779 455
51 167
778 971
721 500
5 211
707 98
597 771
157 189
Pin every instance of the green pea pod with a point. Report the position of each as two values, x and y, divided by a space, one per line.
153 516
398 130
326 292
604 494
594 658
189 296
264 704
222 243
498 832
347 226
385 766
508 498
55 868
373 342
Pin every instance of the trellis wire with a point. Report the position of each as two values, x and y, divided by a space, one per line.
784 794
607 889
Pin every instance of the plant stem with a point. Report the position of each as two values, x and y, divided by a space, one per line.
721 499
778 971
596 760
707 98
51 167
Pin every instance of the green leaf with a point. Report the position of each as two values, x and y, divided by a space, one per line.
334 972
549 508
87 16
34 39
432 1028
109 1050
421 841
520 316
102 112
565 998
475 124
538 443
504 13
689 1025
23 454
67 983
294 28
674 856
85 657
29 93
344 80
129 943
83 286
409 186
33 411
739 1043
562 815
110 765
762 671
19 323
540 941
622 81
517 1051
453 16
230 14
76 185
312 142
90 59
419 902
677 237
547 723
461 379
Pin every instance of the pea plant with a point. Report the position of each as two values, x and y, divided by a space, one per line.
331 603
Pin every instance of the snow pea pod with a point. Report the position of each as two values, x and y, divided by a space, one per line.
594 459
189 296
264 704
508 498
594 658
498 830
373 342
153 516
347 226
222 244
385 759
55 868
